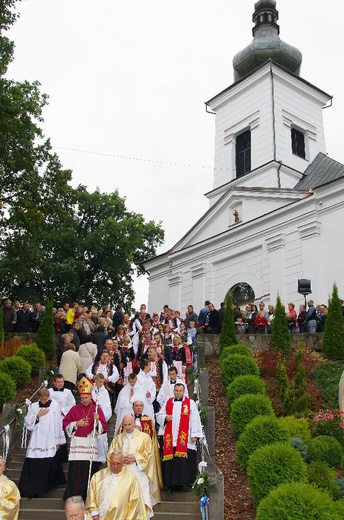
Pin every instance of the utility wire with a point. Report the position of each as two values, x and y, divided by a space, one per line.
139 159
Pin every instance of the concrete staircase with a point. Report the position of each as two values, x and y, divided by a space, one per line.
182 505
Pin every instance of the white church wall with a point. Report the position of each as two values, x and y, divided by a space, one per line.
302 110
241 108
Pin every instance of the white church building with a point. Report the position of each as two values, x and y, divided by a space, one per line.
277 203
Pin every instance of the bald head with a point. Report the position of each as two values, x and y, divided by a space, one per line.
128 423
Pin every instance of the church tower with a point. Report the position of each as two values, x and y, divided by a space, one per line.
269 124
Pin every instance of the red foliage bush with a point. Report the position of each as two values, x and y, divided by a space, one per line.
10 347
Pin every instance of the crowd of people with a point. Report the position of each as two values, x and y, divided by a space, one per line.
133 367
136 369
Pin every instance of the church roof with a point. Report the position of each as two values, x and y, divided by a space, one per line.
320 172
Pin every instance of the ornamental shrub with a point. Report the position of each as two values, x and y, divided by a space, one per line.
333 340
228 336
280 337
298 427
297 443
323 477
326 449
296 500
243 350
17 368
272 465
329 422
261 431
34 355
236 365
246 408
7 388
46 334
242 385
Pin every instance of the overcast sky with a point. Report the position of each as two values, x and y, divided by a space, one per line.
127 81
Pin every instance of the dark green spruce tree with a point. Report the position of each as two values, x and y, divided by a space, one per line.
333 341
228 337
280 337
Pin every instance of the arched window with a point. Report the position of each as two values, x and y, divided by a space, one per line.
242 293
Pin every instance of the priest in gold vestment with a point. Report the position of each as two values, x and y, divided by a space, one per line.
115 493
137 449
9 496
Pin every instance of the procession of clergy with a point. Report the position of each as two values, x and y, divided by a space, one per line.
153 446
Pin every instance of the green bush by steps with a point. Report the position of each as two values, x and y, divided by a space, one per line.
17 368
34 355
298 427
246 408
326 449
300 501
243 350
236 365
323 477
7 388
272 465
242 385
261 431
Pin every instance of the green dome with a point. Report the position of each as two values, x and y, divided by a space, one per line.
266 44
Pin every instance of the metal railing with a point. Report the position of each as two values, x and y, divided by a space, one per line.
7 430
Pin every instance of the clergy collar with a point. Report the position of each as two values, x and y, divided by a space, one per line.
172 382
138 415
178 400
45 405
58 389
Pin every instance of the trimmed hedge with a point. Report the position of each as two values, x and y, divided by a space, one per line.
300 501
272 465
298 427
242 385
7 388
243 350
17 368
34 355
323 477
246 408
235 365
263 430
326 449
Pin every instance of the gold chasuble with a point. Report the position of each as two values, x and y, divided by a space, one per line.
9 499
139 444
116 497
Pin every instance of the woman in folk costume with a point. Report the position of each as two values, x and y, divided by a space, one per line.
109 371
39 471
83 423
9 496
128 351
179 357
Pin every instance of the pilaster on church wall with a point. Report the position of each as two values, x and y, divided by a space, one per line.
275 246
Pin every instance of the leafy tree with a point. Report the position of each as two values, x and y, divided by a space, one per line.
280 337
55 241
228 336
2 331
333 341
45 334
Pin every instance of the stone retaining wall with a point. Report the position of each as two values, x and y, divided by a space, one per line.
258 342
